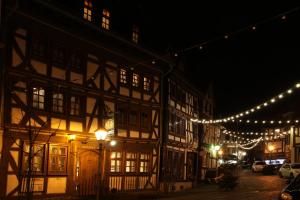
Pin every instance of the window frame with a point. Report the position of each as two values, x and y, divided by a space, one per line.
87 10
76 56
105 21
38 101
115 160
78 103
145 160
39 42
55 61
135 34
136 124
149 120
136 80
131 160
54 172
123 76
150 81
57 105
25 154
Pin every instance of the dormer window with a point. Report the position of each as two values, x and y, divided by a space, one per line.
87 10
147 84
123 76
135 80
105 19
135 34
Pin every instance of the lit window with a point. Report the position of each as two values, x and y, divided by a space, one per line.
38 98
87 10
135 34
144 162
115 161
130 162
147 84
57 158
57 102
105 19
135 80
75 106
123 76
37 161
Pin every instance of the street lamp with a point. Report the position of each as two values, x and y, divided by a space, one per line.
271 148
101 135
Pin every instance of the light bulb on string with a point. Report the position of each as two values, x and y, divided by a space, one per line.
289 91
280 96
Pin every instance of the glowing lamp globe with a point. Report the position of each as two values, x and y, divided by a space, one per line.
101 134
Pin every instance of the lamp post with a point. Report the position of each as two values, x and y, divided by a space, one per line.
271 148
101 135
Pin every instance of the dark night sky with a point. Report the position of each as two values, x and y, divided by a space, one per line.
247 68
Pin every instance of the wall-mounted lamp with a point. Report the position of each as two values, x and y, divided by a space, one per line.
113 143
71 137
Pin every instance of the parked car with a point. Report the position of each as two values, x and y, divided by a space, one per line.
289 170
292 190
258 166
269 169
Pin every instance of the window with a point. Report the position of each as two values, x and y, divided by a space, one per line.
147 84
105 19
87 10
173 90
130 162
181 98
58 57
58 159
195 104
172 118
177 125
135 34
38 98
145 117
178 164
133 118
135 80
58 102
195 130
122 117
144 162
75 105
76 61
115 161
38 49
123 76
37 159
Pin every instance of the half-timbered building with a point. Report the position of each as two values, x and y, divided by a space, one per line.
181 141
66 75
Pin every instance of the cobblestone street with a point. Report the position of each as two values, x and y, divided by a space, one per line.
251 187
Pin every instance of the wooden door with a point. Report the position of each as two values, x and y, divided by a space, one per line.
88 168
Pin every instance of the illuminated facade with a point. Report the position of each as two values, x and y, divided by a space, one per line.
66 77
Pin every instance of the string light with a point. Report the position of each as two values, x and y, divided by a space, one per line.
258 107
248 121
250 27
